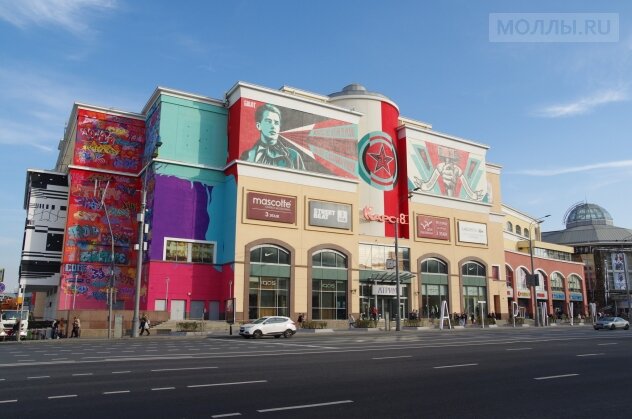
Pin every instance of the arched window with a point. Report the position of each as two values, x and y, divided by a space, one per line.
269 281
509 274
329 285
525 233
474 278
574 283
518 230
509 227
434 286
557 282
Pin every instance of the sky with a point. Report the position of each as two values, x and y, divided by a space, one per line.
556 112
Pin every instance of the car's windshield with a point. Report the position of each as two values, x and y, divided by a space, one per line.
261 320
607 319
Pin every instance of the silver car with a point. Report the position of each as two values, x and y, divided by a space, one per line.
612 323
276 326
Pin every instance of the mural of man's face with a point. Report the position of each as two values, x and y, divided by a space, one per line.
269 126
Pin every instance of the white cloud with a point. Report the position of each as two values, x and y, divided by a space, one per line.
583 105
585 168
71 15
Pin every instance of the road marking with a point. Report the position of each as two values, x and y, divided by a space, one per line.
8 401
26 360
394 357
555 376
589 354
37 377
227 384
59 359
2 379
116 392
304 406
121 372
65 396
454 366
22 355
83 373
183 369
519 349
605 344
163 388
225 415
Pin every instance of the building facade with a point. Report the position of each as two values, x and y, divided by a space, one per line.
279 202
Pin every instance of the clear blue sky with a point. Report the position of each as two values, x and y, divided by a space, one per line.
557 115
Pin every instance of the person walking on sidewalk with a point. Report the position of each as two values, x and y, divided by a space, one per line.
76 328
144 325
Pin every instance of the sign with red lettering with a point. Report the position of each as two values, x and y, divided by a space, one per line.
429 227
266 207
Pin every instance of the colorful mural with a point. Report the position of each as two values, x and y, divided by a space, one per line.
87 255
153 132
109 142
283 137
446 171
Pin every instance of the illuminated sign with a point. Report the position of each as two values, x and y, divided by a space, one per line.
368 214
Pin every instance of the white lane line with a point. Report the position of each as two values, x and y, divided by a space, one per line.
26 360
37 377
121 372
2 379
80 374
454 366
22 355
519 349
225 415
555 376
59 359
8 401
589 355
65 396
116 392
151 350
163 388
227 384
304 406
394 357
605 344
184 369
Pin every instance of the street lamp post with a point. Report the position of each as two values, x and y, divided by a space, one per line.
398 321
533 275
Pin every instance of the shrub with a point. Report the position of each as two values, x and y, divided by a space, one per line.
190 326
313 325
365 323
412 323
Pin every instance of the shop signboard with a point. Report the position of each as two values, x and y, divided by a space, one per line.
267 207
524 294
470 232
429 227
576 296
385 290
330 214
510 292
541 295
557 295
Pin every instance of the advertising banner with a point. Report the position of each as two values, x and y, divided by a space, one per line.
267 207
618 271
472 232
429 227
329 214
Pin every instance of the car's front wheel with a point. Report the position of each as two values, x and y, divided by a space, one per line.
612 327
595 327
257 334
626 327
288 333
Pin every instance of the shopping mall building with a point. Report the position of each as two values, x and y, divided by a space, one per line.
276 202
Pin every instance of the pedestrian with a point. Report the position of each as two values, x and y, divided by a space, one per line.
301 317
76 328
144 325
374 313
351 321
54 333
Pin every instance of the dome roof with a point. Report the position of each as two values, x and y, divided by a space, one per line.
587 214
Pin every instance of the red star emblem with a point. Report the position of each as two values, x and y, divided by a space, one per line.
382 161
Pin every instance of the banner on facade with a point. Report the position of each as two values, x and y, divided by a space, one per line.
429 227
618 271
267 207
330 214
385 290
470 232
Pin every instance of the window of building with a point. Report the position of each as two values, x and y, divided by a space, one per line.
193 251
496 272
329 285
434 286
474 278
574 283
268 293
518 230
557 282
374 257
473 269
525 232
509 276
509 227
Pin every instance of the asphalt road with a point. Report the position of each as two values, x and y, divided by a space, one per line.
557 373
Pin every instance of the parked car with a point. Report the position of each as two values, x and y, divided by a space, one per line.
276 326
612 323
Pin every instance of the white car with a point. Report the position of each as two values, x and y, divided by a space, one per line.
276 326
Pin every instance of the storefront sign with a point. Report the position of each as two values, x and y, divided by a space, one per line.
429 227
268 207
541 295
524 294
368 215
557 295
510 292
472 232
576 296
329 214
385 290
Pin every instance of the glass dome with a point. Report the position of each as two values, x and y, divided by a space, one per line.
587 214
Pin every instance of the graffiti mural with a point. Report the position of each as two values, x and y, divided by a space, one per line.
447 171
284 137
109 142
100 236
153 132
